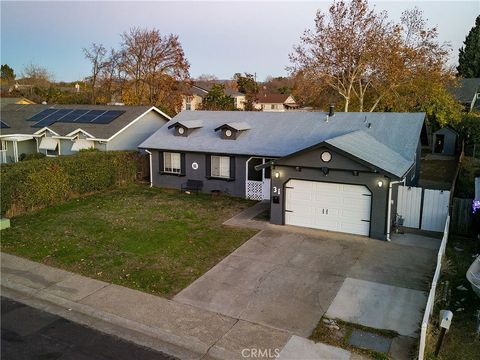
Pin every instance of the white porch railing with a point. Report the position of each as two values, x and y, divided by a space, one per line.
254 190
431 295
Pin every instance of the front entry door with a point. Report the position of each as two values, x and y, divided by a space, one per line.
439 141
266 181
258 181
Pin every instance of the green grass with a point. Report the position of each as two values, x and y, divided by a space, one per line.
153 240
461 341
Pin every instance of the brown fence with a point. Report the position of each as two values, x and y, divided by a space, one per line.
461 218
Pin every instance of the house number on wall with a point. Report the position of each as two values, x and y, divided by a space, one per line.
194 166
276 190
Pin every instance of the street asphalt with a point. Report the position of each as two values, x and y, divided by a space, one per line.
28 333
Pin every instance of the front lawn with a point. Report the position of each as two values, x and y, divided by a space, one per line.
154 240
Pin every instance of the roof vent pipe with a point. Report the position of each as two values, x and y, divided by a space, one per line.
331 110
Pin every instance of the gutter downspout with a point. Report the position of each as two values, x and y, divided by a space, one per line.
389 209
151 173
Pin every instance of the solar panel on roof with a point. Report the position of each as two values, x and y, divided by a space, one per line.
88 117
108 117
74 115
3 125
42 115
43 123
58 115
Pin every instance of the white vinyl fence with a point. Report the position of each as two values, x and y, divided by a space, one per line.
423 208
431 295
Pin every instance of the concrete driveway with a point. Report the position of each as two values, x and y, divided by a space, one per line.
288 278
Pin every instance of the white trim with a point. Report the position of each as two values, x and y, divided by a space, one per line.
39 132
151 172
135 120
71 134
17 138
15 151
389 206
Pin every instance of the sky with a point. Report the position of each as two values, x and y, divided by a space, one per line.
220 38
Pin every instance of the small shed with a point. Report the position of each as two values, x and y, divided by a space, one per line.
445 141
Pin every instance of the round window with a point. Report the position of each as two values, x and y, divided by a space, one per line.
326 156
228 133
194 166
181 130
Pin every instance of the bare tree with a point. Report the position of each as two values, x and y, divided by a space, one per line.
152 61
364 58
206 77
96 54
36 75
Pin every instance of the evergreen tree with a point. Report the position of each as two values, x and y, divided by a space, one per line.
7 73
469 55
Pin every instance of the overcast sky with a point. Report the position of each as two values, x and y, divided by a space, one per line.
218 38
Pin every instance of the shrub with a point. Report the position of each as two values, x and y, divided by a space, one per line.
34 184
25 157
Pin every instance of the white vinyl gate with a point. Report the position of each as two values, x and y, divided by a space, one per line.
435 209
409 205
431 215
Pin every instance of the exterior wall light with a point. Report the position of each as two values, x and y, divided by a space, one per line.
277 174
380 183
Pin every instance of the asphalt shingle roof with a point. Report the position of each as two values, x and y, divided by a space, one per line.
16 117
466 90
366 148
278 134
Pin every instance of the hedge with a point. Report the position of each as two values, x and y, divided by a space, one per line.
31 185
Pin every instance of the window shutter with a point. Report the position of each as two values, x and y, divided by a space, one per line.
160 162
208 164
232 168
182 164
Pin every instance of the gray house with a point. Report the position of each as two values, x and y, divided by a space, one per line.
66 129
445 141
468 93
319 170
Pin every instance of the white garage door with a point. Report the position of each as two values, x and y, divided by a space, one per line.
334 207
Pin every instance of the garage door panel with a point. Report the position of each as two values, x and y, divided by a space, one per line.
328 206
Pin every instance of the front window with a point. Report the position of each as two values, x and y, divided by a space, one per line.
172 163
188 103
220 166
51 152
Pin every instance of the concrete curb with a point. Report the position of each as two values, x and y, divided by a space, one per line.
177 329
108 323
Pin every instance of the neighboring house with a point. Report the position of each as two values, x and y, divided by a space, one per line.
331 172
66 129
15 100
445 141
275 102
193 97
468 93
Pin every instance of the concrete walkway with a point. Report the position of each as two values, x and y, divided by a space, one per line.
164 325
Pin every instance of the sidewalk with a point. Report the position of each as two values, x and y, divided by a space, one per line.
174 328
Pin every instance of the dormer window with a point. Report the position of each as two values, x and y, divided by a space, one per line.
185 128
231 131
